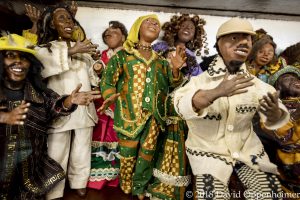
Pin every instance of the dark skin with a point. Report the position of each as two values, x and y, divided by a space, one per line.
289 86
186 32
114 39
63 23
234 49
149 31
16 69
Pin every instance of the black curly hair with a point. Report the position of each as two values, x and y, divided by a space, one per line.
115 25
292 54
45 33
34 74
172 27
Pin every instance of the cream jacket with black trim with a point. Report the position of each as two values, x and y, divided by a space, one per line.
222 133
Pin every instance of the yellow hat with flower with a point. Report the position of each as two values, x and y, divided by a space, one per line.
133 35
17 43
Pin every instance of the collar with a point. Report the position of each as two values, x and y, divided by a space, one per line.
139 56
30 94
111 52
217 68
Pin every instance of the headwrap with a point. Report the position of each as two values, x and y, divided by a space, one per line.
285 70
133 35
17 43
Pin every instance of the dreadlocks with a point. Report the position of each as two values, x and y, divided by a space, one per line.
47 34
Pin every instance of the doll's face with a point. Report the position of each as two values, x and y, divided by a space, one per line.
114 38
289 84
235 49
63 23
186 32
265 55
149 30
16 66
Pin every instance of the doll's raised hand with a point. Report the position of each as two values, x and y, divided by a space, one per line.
178 59
269 106
34 15
16 116
82 47
74 8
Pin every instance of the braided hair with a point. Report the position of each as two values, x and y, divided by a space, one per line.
197 43
47 34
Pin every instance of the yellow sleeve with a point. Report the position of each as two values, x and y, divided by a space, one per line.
30 36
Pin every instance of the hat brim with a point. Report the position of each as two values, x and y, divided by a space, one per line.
31 51
285 70
236 31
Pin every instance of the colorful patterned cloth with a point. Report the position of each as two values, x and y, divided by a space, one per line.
105 163
26 170
140 111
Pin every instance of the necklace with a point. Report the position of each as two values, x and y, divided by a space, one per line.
143 47
291 102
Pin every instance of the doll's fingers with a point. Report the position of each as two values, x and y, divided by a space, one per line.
78 37
26 8
77 88
94 92
268 101
274 97
226 76
3 107
34 10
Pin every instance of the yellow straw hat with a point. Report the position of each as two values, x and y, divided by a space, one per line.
133 35
235 25
17 43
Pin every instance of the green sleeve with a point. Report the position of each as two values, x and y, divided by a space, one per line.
110 77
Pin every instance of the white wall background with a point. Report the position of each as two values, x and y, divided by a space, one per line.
95 21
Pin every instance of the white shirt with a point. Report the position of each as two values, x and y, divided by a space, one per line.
64 73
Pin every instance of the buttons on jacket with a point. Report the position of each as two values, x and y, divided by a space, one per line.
149 69
230 127
148 80
147 99
235 155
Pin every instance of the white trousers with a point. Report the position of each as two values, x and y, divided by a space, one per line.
74 155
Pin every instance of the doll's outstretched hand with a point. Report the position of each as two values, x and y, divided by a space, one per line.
269 106
108 102
81 98
17 116
84 98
